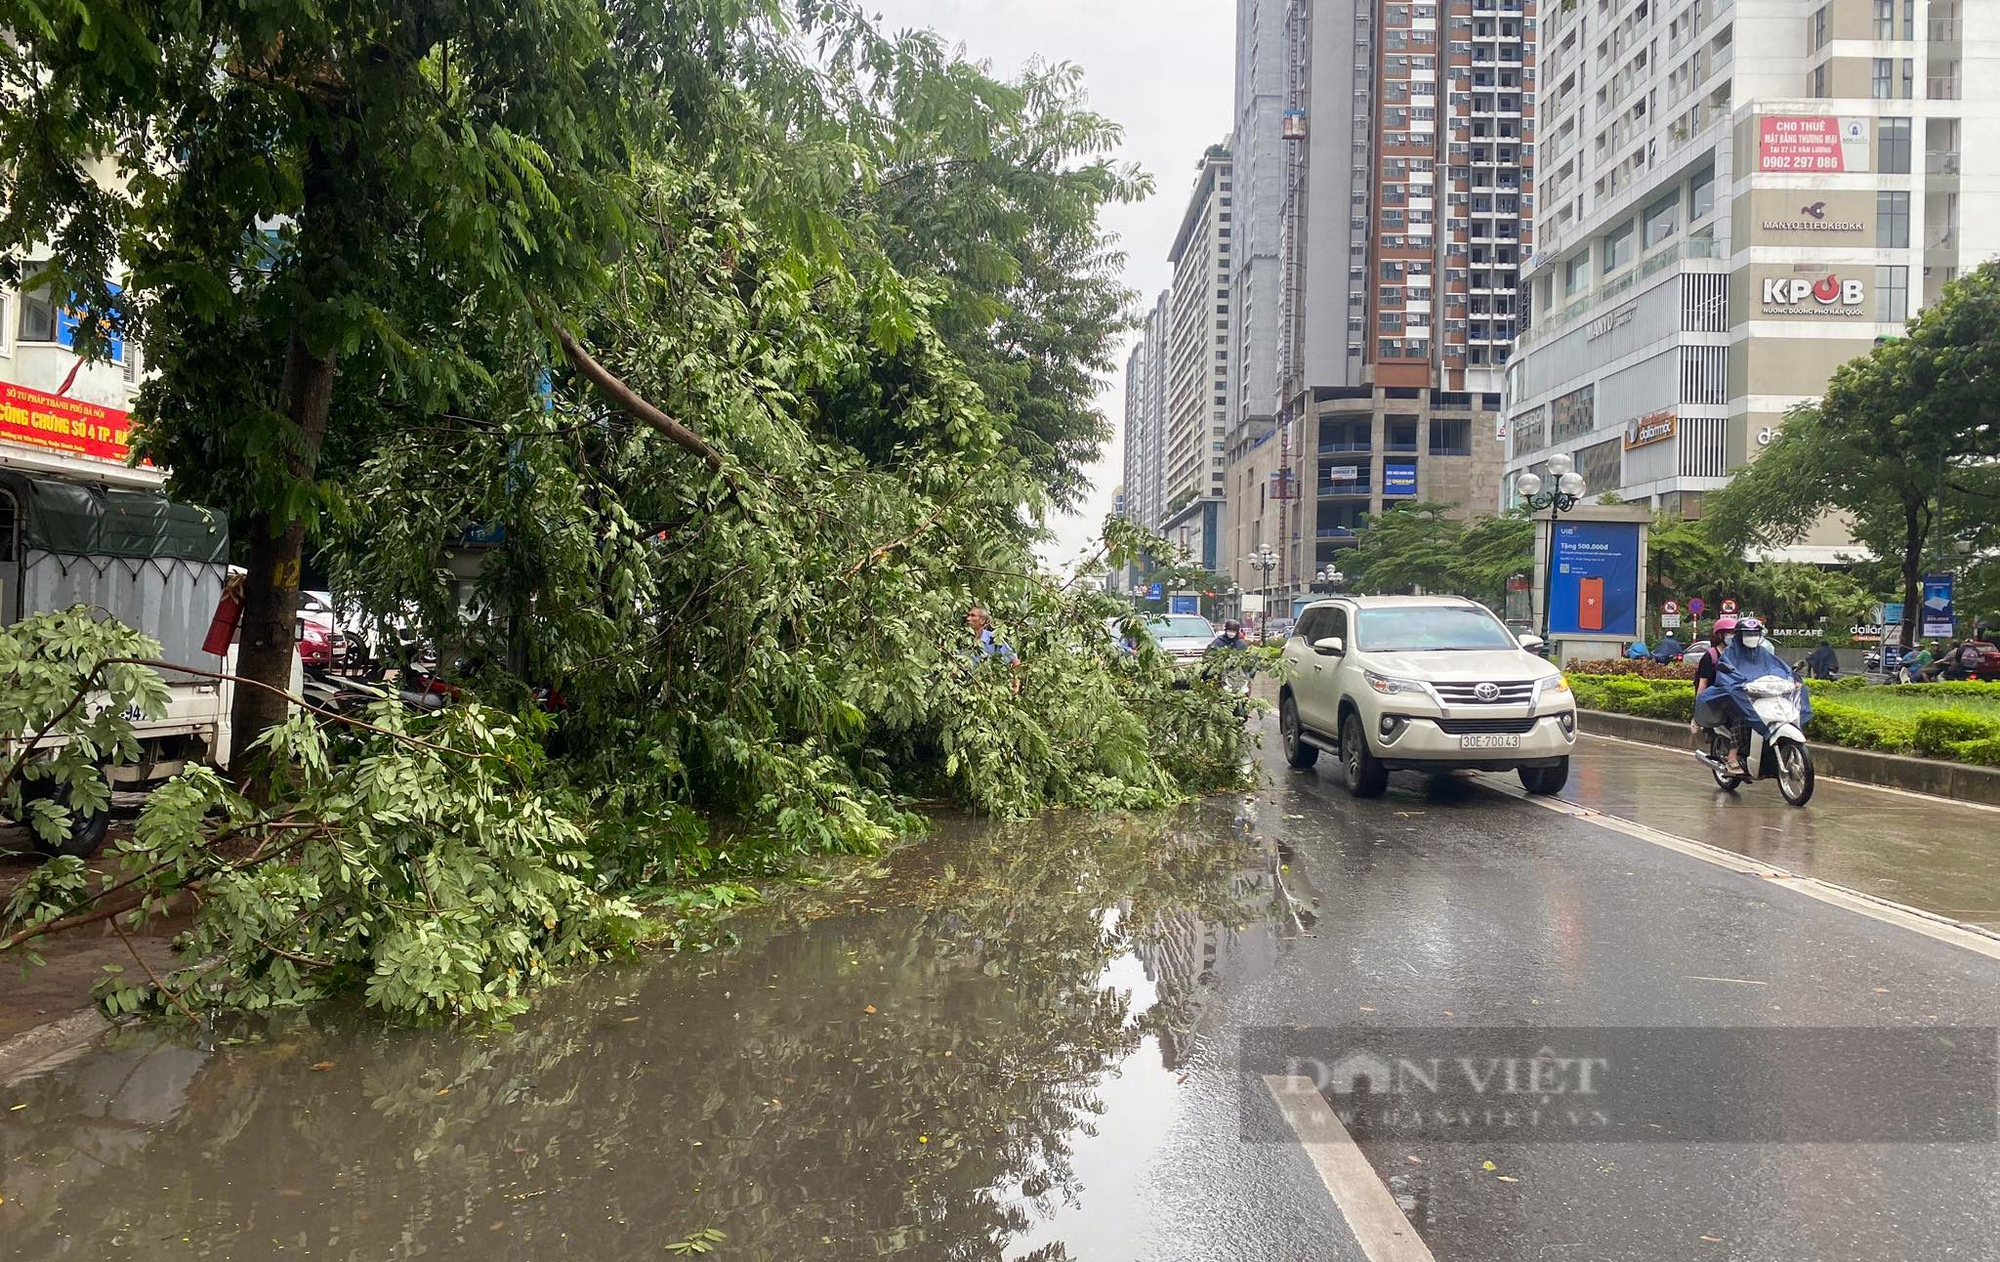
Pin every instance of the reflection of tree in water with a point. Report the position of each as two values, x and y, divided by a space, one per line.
760 1099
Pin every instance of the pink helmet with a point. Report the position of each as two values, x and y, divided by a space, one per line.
1725 624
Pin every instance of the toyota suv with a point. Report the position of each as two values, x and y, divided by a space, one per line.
1422 683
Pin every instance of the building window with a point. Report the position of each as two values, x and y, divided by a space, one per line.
1388 348
1618 248
1885 19
1895 156
1577 274
1451 438
1701 195
38 317
1892 294
1909 19
1892 219
1881 84
1818 30
1819 83
1662 219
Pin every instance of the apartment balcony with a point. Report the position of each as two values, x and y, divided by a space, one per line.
1941 164
1358 489
1342 446
1941 88
1336 537
1940 237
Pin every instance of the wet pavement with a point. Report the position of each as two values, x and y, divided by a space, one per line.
1941 856
1022 1043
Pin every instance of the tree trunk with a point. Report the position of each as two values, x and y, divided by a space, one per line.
271 589
1913 560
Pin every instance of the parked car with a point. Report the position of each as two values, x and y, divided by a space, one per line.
322 644
1427 683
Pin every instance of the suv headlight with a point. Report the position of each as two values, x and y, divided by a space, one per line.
1554 688
1390 686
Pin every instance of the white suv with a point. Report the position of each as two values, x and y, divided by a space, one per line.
1429 683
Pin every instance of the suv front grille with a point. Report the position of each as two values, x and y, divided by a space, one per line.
1471 727
1519 693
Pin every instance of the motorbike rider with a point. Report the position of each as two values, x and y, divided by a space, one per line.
1714 711
1231 638
1742 656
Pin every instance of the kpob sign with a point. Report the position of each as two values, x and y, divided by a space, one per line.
1828 291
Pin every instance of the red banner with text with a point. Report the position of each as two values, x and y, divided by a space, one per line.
66 426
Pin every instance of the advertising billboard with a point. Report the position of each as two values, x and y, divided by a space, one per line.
1399 479
1594 590
1811 217
1812 144
67 426
1938 617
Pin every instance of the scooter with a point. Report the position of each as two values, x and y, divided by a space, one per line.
1777 707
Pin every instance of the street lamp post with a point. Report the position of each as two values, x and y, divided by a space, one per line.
1561 496
1266 560
1330 577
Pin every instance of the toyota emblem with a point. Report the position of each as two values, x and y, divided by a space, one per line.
1486 692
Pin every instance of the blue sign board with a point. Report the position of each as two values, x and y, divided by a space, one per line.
1892 614
1399 479
67 320
1938 618
1594 590
1184 602
1153 592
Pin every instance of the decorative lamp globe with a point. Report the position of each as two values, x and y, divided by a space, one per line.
1571 484
1529 485
1560 463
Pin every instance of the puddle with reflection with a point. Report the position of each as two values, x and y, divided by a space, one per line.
971 1058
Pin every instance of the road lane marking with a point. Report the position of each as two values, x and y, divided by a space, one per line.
1734 981
1912 794
1888 911
1378 1223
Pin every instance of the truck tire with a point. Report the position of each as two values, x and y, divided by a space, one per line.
86 832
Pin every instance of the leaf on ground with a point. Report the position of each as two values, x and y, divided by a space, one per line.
1487 1165
1413 1159
322 1066
870 1009
1506 1178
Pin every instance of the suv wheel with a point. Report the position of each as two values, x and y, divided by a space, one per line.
1545 781
1364 773
1297 752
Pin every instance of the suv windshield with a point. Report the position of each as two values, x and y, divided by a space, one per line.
1417 628
1185 625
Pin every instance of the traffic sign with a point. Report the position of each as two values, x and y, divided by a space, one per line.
1670 621
1672 606
1729 606
1696 607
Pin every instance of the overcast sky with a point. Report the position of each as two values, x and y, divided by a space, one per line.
1161 68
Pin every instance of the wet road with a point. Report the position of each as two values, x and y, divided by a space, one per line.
1023 1043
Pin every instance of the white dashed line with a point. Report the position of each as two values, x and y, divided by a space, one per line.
1378 1223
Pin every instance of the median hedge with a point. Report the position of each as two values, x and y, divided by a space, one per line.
1953 734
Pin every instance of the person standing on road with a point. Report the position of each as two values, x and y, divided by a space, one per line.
986 648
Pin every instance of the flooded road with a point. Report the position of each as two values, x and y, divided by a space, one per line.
1030 1043
924 1063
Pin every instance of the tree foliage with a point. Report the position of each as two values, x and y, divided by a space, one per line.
1423 545
1892 428
759 341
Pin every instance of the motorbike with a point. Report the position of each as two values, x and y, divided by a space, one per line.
1776 706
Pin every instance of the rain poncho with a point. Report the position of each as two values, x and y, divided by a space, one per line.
1741 666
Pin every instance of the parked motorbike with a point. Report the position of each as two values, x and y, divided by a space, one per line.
1777 706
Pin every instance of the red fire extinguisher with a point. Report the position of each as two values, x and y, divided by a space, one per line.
229 612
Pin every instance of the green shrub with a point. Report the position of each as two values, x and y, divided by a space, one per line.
1846 683
1971 688
1984 752
1935 733
1836 724
1615 666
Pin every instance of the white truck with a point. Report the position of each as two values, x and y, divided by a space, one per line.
77 529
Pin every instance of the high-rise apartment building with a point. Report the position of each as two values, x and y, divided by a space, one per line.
1408 158
1145 420
1739 197
1197 364
1258 150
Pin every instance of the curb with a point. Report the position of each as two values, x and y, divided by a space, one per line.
1954 780
47 1045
